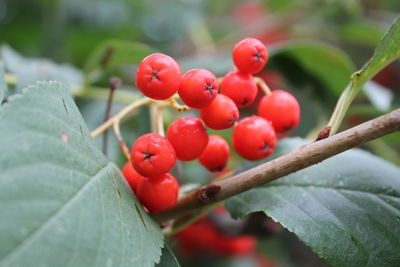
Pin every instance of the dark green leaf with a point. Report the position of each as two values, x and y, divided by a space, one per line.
115 53
385 52
61 202
329 66
347 208
167 258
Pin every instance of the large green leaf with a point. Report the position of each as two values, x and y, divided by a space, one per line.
114 53
61 202
30 70
168 258
387 50
347 208
326 65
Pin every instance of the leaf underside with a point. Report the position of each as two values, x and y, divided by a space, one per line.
61 202
347 208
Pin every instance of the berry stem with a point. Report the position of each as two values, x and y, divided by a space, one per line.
114 84
174 103
156 117
125 111
260 82
120 139
296 160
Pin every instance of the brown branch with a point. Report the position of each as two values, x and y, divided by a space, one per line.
296 160
114 84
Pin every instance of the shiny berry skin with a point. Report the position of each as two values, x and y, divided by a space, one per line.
282 109
240 87
131 175
158 193
221 114
250 55
198 88
216 155
188 137
158 76
152 155
254 138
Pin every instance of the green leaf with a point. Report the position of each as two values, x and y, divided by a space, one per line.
114 53
3 84
327 65
30 70
347 208
168 258
61 202
385 52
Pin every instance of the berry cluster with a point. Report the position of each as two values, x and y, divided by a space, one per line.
160 77
205 236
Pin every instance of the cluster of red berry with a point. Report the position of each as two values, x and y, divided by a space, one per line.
159 77
203 236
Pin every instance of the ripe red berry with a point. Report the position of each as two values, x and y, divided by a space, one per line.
131 175
158 76
221 114
235 246
152 155
198 88
250 55
254 138
282 109
158 193
188 137
240 87
216 155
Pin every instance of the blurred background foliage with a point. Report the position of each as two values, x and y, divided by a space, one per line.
314 47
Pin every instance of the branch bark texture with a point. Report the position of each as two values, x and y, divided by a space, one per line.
296 160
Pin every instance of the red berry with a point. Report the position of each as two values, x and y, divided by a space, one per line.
235 246
250 55
240 87
254 138
282 109
197 237
221 114
158 193
132 176
216 155
188 137
198 88
158 76
152 155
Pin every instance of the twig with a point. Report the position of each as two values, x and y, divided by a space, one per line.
120 115
260 82
114 84
296 160
121 141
